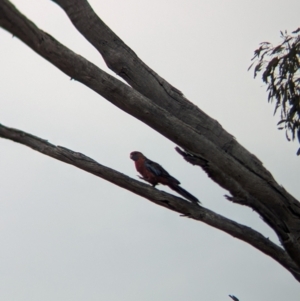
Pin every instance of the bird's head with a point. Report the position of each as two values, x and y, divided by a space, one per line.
136 156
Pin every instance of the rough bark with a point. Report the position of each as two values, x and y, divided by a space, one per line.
155 102
154 195
279 209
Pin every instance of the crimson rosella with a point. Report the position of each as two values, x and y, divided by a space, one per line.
154 173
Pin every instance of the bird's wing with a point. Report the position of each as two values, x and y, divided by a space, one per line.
163 176
155 168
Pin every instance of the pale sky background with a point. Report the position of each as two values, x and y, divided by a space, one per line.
68 235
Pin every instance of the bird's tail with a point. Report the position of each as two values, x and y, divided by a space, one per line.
185 193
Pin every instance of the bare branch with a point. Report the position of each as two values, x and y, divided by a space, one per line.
156 196
124 62
240 196
229 164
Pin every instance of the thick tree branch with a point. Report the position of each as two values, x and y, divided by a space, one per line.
156 196
282 215
242 175
240 196
125 63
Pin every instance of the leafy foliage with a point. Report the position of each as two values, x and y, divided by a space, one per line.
280 69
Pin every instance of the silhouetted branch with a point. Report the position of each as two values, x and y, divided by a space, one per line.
156 196
227 162
233 298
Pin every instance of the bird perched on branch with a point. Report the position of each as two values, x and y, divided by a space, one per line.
155 174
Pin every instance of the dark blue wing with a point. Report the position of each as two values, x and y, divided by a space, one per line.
155 168
159 171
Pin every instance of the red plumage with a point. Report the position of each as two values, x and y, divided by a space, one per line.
155 174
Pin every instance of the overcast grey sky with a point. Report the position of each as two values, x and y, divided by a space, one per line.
67 235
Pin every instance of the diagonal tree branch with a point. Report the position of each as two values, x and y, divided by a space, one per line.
282 212
156 196
124 62
120 58
238 174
